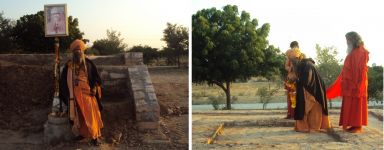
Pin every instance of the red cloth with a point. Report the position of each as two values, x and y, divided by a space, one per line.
354 111
352 85
291 111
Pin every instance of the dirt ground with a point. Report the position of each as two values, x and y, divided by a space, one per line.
22 118
266 129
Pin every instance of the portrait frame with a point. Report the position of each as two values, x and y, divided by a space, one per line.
55 20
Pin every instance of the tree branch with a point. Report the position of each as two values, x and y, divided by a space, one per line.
220 84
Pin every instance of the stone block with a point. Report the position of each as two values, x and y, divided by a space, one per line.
116 60
56 130
104 75
133 58
143 126
117 76
149 89
144 108
139 95
152 97
148 116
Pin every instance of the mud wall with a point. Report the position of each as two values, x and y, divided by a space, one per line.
26 85
20 72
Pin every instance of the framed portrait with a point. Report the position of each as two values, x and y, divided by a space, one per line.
55 20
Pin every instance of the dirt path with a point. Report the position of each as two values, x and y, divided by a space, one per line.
250 129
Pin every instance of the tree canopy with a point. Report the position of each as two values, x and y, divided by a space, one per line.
149 53
6 43
176 37
227 46
113 44
327 64
375 83
29 36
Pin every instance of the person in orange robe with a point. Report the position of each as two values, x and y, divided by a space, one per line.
290 85
352 85
80 89
311 110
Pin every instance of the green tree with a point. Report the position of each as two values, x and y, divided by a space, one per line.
375 83
327 64
92 51
113 44
149 53
6 43
265 95
176 37
29 34
227 47
169 55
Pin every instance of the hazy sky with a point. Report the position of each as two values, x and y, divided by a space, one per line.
309 22
140 21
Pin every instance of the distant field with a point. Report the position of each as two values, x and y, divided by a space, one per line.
245 92
163 62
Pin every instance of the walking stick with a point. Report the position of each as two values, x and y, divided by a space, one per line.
57 73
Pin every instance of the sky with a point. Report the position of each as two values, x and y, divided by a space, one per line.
311 22
139 21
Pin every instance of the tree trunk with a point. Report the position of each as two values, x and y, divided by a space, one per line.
330 104
269 86
228 94
226 90
178 60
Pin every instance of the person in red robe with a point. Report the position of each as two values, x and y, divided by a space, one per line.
352 85
290 86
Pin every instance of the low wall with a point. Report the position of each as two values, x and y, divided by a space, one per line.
147 108
27 82
24 89
125 59
113 71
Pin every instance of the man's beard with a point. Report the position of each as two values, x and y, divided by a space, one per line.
350 48
77 58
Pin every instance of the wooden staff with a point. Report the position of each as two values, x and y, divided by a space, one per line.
217 132
57 72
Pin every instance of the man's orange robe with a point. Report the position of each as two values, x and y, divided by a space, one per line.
84 109
352 85
88 114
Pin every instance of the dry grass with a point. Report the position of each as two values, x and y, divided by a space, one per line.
245 92
171 85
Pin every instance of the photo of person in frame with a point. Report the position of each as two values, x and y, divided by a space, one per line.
55 20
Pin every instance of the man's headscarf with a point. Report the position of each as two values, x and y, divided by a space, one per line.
294 53
294 56
77 45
